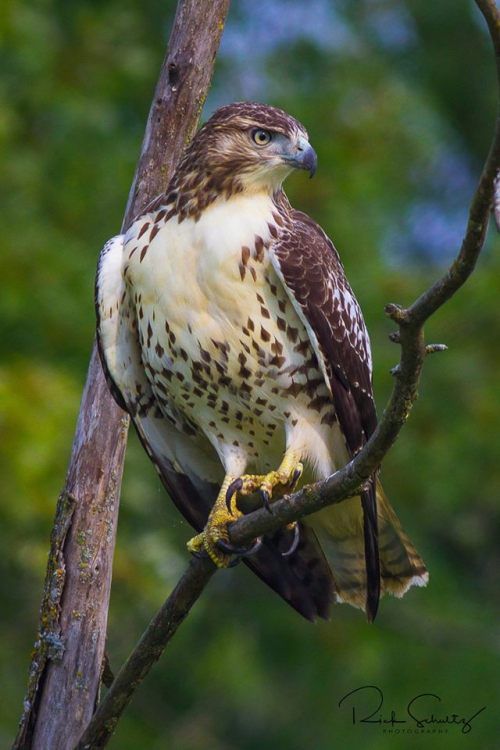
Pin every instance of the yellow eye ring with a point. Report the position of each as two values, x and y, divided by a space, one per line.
261 137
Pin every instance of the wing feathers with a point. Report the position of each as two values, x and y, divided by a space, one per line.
312 273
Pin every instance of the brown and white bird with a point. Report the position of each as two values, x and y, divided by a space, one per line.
228 330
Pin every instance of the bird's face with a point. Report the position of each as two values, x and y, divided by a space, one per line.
255 145
266 156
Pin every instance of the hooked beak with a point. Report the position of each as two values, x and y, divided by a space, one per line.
304 157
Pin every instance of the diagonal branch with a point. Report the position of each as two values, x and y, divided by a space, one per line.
345 482
159 632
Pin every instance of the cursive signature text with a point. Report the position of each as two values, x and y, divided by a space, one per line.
423 710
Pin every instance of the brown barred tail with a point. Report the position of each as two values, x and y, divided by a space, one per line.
401 565
341 532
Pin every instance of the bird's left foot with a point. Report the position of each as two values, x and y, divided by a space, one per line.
214 539
270 485
283 479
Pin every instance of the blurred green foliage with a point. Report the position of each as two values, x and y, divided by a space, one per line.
401 117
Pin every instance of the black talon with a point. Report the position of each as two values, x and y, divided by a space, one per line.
235 486
266 498
255 547
240 551
230 549
295 543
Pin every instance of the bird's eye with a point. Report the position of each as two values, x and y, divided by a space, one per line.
261 137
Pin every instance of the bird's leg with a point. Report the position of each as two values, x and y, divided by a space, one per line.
287 476
284 479
214 539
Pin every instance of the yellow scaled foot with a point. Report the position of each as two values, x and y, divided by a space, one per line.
215 531
214 539
283 480
278 482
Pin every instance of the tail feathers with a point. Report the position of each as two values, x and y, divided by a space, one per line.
401 565
348 546
303 579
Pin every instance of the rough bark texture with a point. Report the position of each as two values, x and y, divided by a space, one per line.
66 667
79 573
343 483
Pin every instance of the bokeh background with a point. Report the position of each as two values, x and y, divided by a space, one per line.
399 100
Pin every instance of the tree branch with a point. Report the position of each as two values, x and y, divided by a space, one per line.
66 667
344 483
159 632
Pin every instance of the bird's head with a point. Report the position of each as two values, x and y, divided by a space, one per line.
247 147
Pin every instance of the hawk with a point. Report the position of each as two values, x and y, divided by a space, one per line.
228 331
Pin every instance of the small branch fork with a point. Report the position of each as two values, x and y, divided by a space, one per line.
345 482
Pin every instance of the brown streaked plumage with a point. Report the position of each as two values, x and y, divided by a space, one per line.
229 332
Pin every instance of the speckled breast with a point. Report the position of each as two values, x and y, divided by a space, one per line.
221 341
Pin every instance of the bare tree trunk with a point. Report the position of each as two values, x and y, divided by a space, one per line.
66 668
